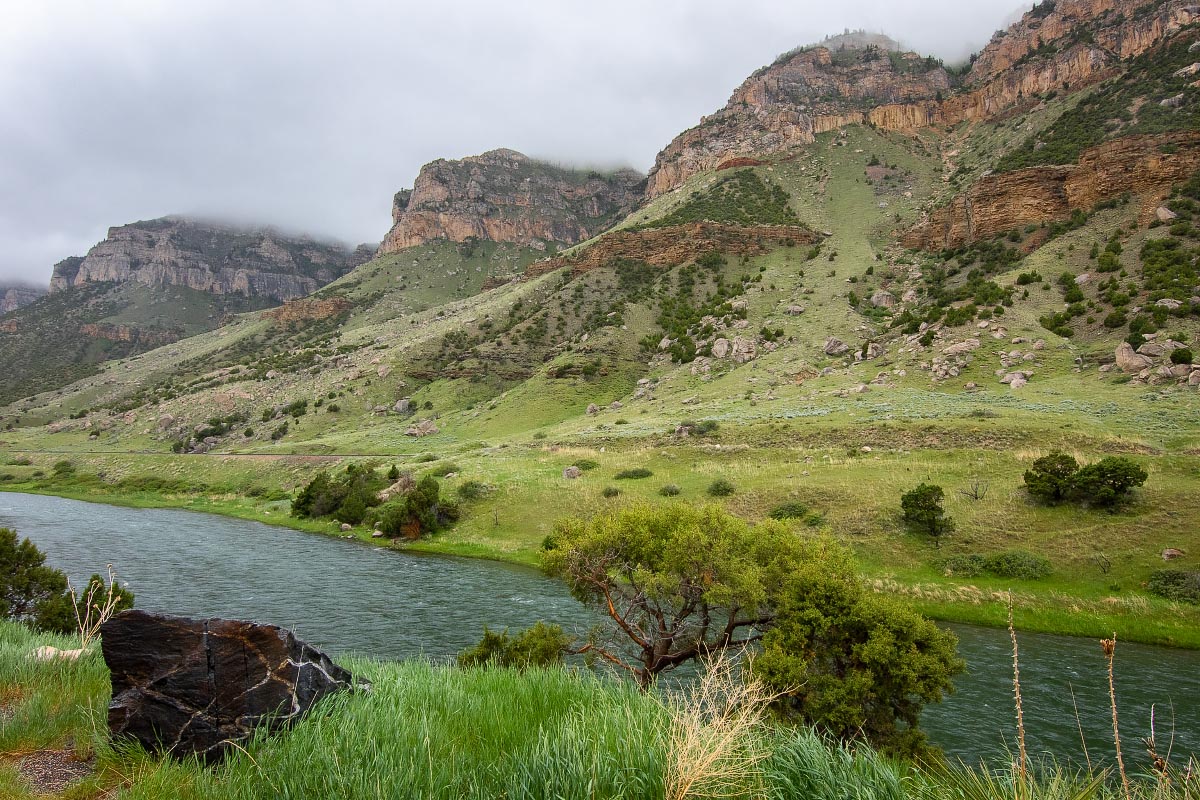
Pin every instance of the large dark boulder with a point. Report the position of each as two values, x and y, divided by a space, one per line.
185 686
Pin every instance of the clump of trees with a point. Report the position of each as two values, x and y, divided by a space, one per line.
354 496
677 583
40 596
1058 478
923 511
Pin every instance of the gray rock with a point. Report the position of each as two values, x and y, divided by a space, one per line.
836 347
572 472
1128 361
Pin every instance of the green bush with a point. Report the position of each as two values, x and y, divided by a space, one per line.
442 470
610 491
587 464
965 566
636 473
418 512
1175 584
721 488
63 469
279 432
1049 479
793 509
1182 355
670 490
1018 564
1058 477
923 511
473 490
539 646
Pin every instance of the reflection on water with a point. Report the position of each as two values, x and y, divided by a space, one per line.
348 598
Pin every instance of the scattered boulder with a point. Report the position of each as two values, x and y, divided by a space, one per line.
403 406
836 347
1172 102
425 427
383 371
883 299
744 349
909 296
1172 553
572 472
345 526
961 348
165 421
1165 214
616 405
195 687
720 348
1151 349
794 311
1129 361
593 409
1169 303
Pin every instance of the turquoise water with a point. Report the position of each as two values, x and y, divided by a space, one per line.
351 598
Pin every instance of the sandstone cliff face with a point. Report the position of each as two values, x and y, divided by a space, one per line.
14 297
812 91
998 203
504 196
803 94
209 257
677 244
144 337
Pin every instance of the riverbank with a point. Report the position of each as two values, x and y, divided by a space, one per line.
1054 606
436 731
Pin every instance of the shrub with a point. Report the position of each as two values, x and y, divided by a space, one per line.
670 490
1175 584
1049 479
793 509
610 491
923 511
333 408
442 470
420 511
967 566
636 473
539 646
721 488
279 432
473 490
1181 355
1018 564
1107 482
587 464
63 469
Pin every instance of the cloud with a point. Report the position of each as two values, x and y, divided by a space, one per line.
311 115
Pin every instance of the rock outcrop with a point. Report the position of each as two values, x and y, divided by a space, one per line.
1142 165
308 309
504 196
14 296
210 257
144 337
1067 45
193 687
677 244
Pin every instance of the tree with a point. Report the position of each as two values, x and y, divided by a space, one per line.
923 511
1049 479
1107 482
30 591
675 582
855 665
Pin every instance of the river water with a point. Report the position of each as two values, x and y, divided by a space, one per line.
348 598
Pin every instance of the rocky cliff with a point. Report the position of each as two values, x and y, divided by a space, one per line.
1055 47
13 297
209 257
1146 166
504 196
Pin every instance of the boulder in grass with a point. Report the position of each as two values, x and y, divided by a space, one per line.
188 687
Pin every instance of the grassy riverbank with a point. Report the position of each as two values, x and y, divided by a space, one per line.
1100 560
435 731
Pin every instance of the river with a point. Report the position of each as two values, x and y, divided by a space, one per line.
350 598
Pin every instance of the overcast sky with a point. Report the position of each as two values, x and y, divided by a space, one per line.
310 115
